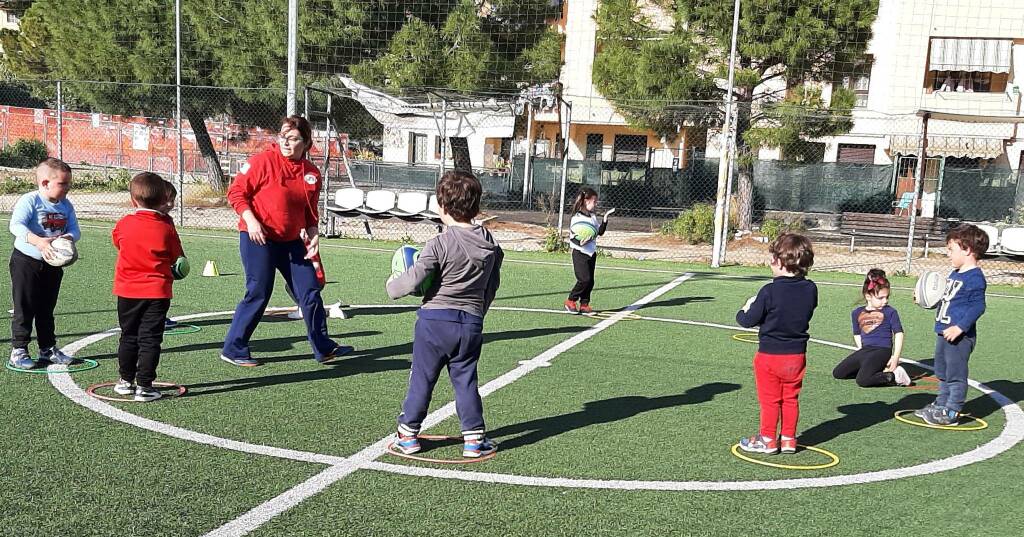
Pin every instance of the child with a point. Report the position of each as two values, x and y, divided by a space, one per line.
37 219
172 196
878 334
465 261
584 252
962 305
783 309
147 245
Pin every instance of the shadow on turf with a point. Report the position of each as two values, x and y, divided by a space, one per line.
563 293
983 405
602 411
859 416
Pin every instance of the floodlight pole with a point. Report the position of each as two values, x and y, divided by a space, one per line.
721 219
529 152
60 120
293 52
177 111
566 125
444 134
918 180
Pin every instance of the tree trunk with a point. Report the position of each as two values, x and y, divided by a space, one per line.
744 161
214 175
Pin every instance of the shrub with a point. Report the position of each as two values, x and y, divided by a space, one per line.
16 185
553 241
24 153
773 227
695 225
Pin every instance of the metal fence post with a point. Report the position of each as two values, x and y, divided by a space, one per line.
918 180
60 120
529 154
566 125
177 113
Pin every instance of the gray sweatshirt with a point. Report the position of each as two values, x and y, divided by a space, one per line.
466 263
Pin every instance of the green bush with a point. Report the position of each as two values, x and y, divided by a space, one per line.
112 181
16 185
553 241
695 225
772 228
24 153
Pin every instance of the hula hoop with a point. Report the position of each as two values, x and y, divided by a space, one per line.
745 336
182 329
608 315
834 459
86 365
91 390
982 424
391 449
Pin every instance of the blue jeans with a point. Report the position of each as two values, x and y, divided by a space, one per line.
951 369
259 263
452 338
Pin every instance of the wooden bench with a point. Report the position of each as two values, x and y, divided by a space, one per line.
890 228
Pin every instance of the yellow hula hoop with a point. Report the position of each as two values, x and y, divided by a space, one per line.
981 424
745 336
834 459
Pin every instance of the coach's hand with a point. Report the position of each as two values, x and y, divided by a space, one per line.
254 228
312 238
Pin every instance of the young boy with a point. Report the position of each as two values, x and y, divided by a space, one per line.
783 309
962 305
147 245
465 261
38 218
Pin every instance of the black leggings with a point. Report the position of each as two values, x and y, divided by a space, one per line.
866 364
583 265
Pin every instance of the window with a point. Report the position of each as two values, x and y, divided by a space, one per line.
419 148
968 81
595 147
856 154
13 18
630 148
859 85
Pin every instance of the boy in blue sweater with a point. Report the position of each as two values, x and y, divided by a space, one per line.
955 323
783 310
38 218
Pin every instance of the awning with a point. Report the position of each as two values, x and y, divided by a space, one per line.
948 146
961 54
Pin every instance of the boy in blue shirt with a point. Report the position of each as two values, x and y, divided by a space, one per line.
955 323
38 218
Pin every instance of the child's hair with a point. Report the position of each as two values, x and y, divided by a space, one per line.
969 237
56 165
874 282
170 191
302 125
149 190
581 198
458 192
794 253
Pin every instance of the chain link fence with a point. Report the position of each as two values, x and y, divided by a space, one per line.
848 176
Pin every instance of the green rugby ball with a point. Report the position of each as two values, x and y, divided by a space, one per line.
180 268
583 232
405 257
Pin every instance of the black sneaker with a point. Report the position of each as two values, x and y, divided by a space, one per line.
144 394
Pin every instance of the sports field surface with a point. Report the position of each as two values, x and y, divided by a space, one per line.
619 423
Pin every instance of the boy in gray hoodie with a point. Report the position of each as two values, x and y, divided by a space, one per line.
465 261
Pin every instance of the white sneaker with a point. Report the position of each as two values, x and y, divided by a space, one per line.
297 314
144 395
902 378
123 387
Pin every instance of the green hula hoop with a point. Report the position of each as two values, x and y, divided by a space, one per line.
86 365
182 329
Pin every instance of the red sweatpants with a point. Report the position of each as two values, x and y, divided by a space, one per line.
779 378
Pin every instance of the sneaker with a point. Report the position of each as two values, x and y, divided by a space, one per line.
21 360
144 394
787 445
297 314
585 308
570 306
55 356
759 444
901 376
928 409
478 447
243 362
338 352
942 416
123 387
170 324
407 444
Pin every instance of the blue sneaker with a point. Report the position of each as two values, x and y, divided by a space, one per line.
942 416
474 448
21 360
407 444
55 356
170 324
338 352
243 362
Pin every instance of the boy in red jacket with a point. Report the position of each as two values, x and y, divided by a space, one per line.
147 247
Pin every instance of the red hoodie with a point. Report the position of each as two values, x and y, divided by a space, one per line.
282 193
147 245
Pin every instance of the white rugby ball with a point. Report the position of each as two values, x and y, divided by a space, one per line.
64 252
929 289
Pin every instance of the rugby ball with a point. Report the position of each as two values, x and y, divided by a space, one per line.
180 268
405 257
583 232
64 252
929 289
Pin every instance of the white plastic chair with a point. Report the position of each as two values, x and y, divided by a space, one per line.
378 203
410 205
433 209
993 237
347 202
1011 241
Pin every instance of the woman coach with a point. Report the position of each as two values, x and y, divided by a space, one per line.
276 193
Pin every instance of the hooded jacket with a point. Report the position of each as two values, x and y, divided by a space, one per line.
281 192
